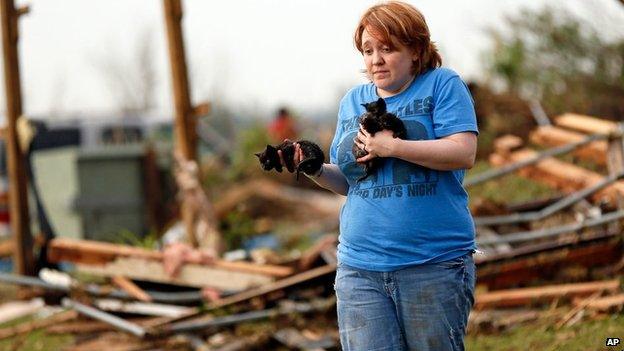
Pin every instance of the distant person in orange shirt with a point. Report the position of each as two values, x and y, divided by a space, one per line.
283 126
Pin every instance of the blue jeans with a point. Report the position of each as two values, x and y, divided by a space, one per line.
420 308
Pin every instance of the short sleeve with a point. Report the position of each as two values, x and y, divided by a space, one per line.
453 110
333 149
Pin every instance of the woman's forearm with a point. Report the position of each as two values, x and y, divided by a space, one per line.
332 179
450 153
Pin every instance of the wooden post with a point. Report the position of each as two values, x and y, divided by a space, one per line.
23 260
615 165
185 123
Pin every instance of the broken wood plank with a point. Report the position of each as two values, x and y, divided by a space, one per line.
38 324
521 267
324 203
586 124
554 136
132 289
568 316
314 252
522 296
189 275
561 175
280 284
94 252
607 303
507 143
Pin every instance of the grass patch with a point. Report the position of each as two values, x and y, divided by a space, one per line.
589 335
510 188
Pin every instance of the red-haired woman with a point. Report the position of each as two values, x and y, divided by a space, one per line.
405 277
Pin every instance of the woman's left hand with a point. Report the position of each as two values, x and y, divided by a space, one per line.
379 145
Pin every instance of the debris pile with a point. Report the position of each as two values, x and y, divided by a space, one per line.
554 260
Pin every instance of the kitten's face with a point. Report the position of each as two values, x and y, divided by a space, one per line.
268 158
376 107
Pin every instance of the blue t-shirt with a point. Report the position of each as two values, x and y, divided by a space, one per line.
406 214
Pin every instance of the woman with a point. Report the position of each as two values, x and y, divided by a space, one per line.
405 276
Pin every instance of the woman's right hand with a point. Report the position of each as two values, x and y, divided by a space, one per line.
297 155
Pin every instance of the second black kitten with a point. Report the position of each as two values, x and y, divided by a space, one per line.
376 119
313 157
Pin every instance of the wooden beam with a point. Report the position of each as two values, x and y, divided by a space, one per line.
185 124
95 252
518 297
554 136
560 174
132 289
278 285
504 273
607 303
23 259
586 124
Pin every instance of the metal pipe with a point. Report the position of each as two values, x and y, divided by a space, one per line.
544 233
547 211
559 150
188 326
108 318
169 297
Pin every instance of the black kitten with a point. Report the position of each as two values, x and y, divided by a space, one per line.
311 163
376 119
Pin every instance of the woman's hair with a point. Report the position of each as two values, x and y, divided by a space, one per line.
394 21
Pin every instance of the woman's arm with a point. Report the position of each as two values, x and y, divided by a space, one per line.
329 176
456 151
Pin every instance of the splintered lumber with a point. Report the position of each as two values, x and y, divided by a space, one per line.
257 292
189 275
505 270
595 151
94 252
606 303
523 296
586 124
507 143
278 285
132 289
560 174
322 202
312 254
23 328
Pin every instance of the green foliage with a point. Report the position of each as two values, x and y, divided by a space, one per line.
249 141
236 227
551 55
126 237
507 189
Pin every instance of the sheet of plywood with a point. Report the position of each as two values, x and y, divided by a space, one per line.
189 275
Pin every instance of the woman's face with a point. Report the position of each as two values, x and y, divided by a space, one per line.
389 69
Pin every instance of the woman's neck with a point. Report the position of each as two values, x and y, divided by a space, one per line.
385 93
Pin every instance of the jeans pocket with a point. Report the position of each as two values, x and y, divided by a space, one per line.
453 263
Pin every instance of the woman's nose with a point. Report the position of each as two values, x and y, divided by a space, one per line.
377 58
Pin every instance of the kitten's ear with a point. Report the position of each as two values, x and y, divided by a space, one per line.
382 103
258 154
365 105
270 147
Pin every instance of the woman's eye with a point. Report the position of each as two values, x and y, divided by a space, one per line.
368 52
386 49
